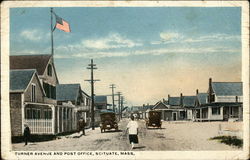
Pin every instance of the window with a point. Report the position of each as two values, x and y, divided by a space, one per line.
64 113
33 113
49 90
47 114
49 70
33 92
216 111
28 113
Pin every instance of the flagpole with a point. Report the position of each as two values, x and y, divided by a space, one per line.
51 26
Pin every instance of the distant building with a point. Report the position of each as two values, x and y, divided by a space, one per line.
172 109
224 102
188 105
101 103
72 106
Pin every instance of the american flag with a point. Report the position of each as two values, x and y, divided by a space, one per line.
62 24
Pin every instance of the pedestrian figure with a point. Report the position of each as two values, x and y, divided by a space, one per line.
26 133
132 128
81 126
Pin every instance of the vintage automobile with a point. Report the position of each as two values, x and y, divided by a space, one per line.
108 121
154 119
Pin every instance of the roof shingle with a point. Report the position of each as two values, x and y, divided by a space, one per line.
19 79
227 88
202 98
189 101
38 62
174 101
67 92
100 99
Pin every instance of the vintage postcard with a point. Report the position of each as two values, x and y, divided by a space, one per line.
125 80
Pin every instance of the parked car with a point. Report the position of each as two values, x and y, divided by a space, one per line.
108 121
154 119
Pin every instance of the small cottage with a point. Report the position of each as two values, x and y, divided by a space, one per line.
224 102
27 104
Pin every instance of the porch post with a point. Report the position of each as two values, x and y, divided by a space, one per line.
23 112
53 119
67 120
239 114
58 119
201 114
62 109
73 119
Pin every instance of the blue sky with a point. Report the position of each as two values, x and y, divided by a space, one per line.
148 52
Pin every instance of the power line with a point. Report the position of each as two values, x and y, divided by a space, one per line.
92 66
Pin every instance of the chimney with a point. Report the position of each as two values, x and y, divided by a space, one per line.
181 100
210 91
197 91
168 98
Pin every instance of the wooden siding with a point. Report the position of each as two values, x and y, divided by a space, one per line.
38 93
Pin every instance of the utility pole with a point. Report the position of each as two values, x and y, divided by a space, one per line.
119 104
112 86
122 98
92 66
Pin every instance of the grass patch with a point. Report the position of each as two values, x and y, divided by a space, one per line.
229 140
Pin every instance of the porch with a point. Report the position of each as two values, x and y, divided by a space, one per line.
39 117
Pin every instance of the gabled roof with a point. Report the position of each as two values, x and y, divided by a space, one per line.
189 101
202 97
136 108
160 105
227 88
38 62
174 101
100 99
67 92
148 107
85 94
20 79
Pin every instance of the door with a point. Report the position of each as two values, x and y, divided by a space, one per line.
175 116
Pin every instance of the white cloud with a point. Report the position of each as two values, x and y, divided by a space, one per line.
159 51
112 41
213 37
174 37
166 36
34 35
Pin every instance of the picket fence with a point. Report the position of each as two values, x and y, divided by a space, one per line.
40 126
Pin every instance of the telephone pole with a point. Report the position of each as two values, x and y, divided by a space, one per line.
92 66
122 99
112 86
119 104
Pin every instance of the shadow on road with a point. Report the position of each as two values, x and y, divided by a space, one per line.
139 147
155 128
112 131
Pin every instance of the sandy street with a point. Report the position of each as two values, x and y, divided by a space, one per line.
172 136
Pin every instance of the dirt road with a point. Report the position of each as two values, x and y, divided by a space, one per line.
173 136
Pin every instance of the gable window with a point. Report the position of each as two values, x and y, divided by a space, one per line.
216 111
49 70
50 90
33 92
